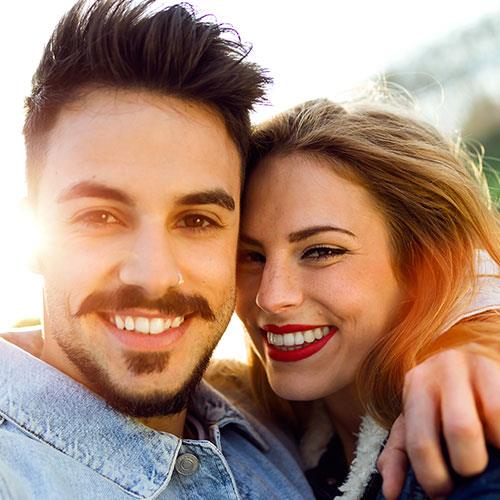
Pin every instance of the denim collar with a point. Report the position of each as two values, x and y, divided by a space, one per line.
55 409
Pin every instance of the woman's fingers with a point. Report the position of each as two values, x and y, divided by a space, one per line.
462 426
393 462
486 380
423 428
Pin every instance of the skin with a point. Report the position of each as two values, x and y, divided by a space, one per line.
154 151
432 379
455 390
342 278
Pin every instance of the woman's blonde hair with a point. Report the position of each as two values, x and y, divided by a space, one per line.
438 212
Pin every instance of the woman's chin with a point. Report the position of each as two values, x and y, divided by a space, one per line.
294 388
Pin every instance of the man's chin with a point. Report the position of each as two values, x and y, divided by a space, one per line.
149 402
134 397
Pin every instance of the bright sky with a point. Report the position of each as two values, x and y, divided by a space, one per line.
313 48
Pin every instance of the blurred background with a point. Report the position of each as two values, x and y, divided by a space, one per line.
445 53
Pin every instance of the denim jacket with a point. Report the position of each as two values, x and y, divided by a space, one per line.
58 440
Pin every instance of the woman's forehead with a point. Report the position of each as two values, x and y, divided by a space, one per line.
286 194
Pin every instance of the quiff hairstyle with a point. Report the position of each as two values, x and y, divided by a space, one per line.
123 44
438 215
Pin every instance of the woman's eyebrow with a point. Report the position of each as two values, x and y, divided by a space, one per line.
311 231
249 241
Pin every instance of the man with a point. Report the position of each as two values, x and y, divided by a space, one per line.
136 132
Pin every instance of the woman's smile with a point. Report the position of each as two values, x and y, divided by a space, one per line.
290 343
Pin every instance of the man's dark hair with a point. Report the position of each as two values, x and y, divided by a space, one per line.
125 45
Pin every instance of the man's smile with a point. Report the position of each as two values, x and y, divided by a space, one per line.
152 325
145 332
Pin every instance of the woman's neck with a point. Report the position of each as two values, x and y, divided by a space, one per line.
345 412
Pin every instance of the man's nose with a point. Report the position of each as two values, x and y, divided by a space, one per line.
280 288
150 264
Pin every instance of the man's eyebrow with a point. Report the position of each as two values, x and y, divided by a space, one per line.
90 189
311 231
209 197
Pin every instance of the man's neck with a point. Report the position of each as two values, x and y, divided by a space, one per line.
173 424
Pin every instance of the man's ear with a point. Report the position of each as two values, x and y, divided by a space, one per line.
32 227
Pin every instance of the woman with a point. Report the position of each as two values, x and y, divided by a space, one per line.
369 260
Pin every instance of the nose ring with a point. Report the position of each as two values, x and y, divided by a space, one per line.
180 279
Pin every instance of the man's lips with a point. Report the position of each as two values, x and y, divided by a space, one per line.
153 332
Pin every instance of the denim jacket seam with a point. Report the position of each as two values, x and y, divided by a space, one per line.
40 439
226 469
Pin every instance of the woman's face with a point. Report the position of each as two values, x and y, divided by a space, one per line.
316 287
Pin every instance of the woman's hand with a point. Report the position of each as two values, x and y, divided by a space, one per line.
454 394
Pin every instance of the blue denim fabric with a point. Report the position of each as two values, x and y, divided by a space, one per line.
60 441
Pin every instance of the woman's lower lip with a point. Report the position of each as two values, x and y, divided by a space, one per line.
143 342
300 353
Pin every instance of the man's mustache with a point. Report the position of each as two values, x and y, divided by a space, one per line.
171 304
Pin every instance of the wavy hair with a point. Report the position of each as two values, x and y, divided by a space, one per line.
439 215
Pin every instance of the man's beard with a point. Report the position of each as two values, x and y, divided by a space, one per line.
157 402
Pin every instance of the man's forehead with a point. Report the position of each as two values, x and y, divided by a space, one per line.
141 138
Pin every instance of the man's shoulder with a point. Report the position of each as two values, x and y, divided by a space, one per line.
28 339
12 485
22 461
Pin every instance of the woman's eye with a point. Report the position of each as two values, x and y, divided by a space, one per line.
250 257
97 218
320 253
196 221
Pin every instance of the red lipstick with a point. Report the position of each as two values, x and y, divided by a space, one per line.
302 352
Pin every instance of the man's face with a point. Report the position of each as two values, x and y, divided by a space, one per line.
136 191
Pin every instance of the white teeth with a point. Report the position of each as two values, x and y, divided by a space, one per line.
129 323
140 324
299 338
177 321
290 341
309 336
156 325
119 322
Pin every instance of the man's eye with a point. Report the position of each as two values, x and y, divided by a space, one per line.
323 253
197 221
97 218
